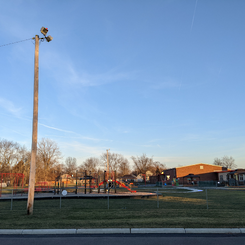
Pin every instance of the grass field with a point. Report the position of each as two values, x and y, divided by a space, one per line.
176 209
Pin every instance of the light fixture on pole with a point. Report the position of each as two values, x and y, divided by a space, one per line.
31 187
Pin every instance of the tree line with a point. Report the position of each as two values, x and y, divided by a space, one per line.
225 161
15 158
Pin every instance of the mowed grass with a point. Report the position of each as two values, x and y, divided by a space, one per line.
187 210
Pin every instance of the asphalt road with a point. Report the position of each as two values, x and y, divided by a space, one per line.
143 239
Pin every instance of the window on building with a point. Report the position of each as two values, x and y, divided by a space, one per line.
201 167
241 177
168 177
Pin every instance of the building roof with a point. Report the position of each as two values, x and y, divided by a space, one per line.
129 176
237 171
200 164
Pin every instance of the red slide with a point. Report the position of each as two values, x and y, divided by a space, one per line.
120 184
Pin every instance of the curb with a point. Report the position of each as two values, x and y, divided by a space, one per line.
123 231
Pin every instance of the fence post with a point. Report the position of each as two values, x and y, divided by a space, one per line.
90 179
60 200
115 181
76 183
11 208
98 182
108 197
207 197
85 177
157 199
104 182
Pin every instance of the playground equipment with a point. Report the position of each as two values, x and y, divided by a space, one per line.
92 182
119 183
11 177
42 186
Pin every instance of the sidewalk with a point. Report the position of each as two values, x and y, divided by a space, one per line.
123 231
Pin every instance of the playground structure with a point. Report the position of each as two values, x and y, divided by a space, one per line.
102 181
117 182
96 182
11 178
108 182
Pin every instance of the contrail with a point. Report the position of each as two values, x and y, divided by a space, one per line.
194 15
56 128
66 131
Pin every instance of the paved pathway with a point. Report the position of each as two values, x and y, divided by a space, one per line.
79 195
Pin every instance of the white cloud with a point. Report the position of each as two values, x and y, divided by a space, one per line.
83 149
64 70
167 82
10 107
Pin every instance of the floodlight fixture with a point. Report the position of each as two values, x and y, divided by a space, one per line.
49 38
44 31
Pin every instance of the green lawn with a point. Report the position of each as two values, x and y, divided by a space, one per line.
226 209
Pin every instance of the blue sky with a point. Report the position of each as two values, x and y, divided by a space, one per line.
163 77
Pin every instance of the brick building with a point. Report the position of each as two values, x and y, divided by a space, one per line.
206 172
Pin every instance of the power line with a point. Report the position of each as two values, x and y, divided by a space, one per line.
16 42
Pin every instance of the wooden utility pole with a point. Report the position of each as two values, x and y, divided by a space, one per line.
31 187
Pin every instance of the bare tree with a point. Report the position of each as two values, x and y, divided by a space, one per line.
225 161
70 165
48 155
16 159
8 155
218 161
157 167
22 165
59 169
124 167
91 164
116 161
142 164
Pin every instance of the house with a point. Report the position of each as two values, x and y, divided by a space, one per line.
236 177
65 176
222 176
129 178
148 174
144 177
140 178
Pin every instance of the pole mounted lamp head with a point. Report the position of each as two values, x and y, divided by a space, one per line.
44 31
49 38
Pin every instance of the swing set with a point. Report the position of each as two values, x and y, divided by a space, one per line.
15 178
